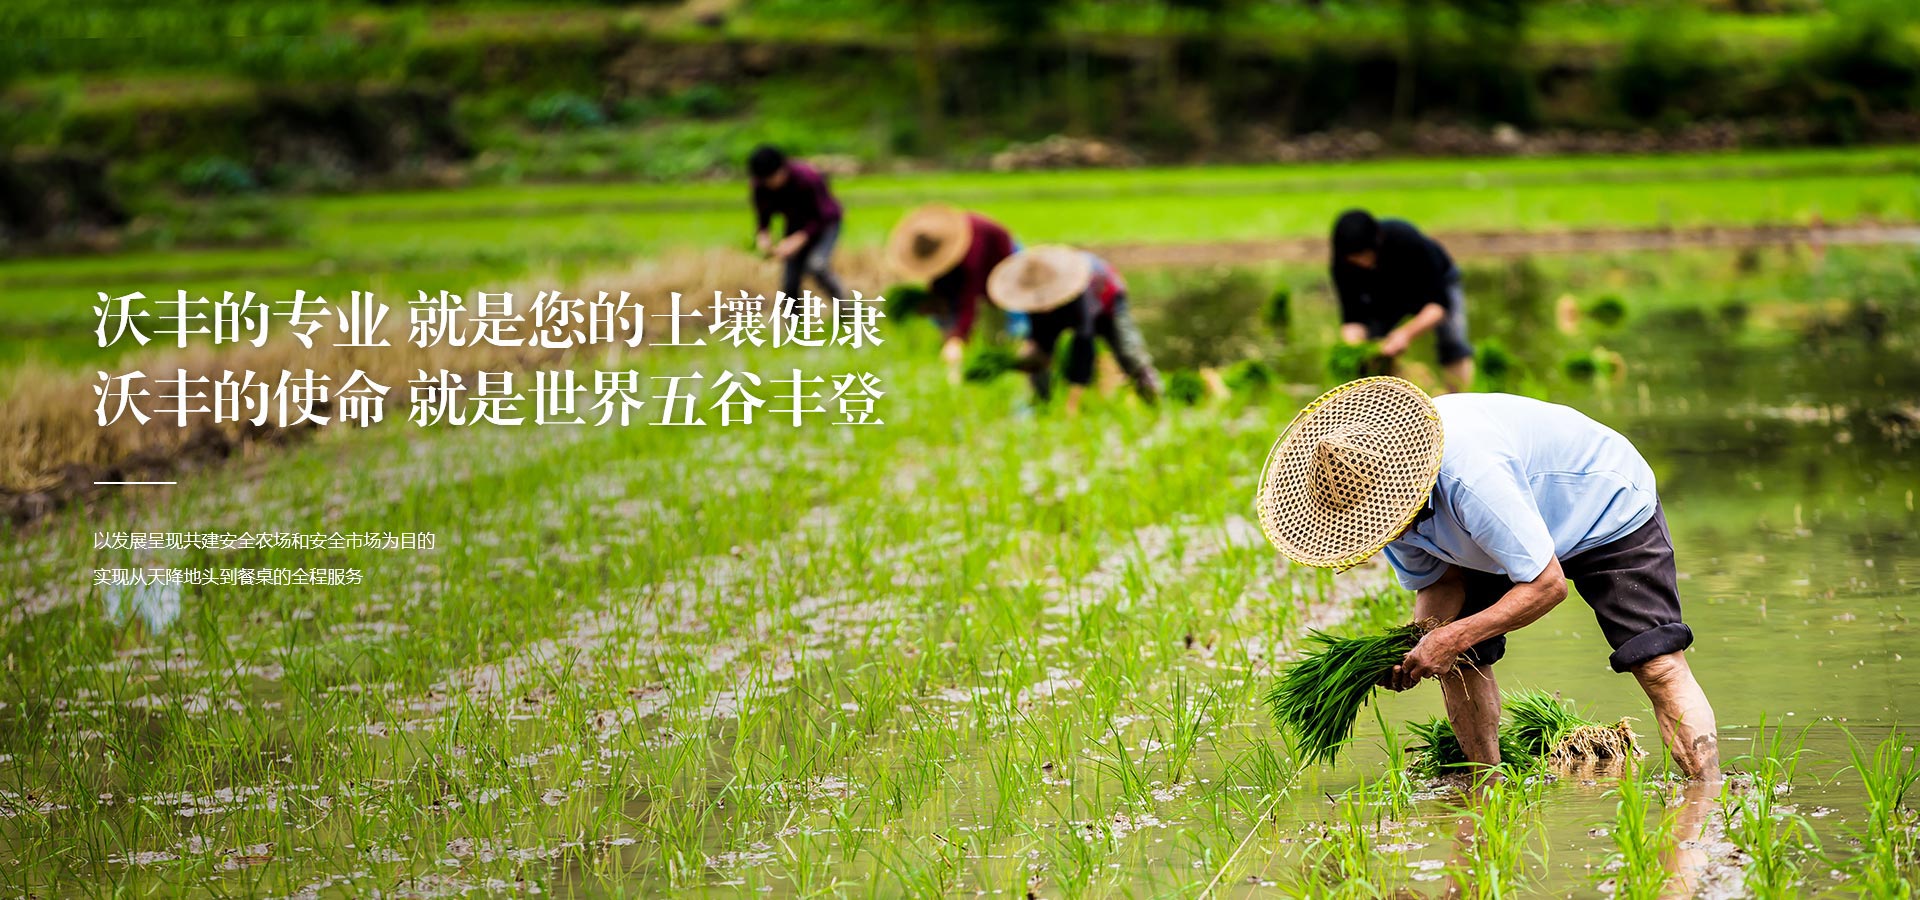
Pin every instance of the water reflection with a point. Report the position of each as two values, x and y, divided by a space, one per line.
157 604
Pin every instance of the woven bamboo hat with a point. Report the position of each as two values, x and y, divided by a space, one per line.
929 241
1040 279
1350 472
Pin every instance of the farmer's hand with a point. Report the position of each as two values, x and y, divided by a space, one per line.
1393 344
951 353
764 242
1432 657
790 244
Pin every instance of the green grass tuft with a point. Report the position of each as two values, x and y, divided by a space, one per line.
1320 695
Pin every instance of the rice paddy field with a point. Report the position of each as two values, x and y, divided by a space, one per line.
984 649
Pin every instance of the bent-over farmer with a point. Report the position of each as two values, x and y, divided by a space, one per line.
952 251
1396 284
799 195
1063 290
1487 505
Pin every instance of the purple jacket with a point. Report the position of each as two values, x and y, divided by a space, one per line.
804 202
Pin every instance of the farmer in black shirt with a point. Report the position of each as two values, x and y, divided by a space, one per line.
1396 284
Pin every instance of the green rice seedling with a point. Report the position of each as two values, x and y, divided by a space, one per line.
1547 728
1249 376
1890 837
987 362
1503 822
1278 311
1642 830
1319 696
1439 752
1345 859
1186 387
1773 838
1345 362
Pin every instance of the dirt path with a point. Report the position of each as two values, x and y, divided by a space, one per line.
1522 243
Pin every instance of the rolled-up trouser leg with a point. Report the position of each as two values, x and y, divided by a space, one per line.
1631 584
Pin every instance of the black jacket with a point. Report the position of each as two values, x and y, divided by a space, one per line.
1410 271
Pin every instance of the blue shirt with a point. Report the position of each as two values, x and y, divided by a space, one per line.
1521 482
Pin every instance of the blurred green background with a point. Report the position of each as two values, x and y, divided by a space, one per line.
157 125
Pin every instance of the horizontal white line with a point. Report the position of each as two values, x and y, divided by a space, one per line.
136 482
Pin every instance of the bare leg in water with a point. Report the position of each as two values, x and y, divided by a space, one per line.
1687 861
1685 716
1471 694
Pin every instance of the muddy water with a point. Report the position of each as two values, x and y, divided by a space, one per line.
1787 470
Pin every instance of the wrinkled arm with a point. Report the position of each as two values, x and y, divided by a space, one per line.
1422 322
1522 605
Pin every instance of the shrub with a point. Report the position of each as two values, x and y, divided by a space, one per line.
1665 65
565 111
217 175
1862 64
311 59
703 101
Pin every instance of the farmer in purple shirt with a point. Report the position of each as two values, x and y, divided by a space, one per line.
952 251
798 194
1488 506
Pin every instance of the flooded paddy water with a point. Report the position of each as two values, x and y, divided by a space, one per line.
807 663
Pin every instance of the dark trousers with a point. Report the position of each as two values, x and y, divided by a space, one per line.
1631 584
815 258
1088 321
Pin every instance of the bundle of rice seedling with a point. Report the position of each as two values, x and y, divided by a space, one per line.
988 361
1345 362
1550 729
1440 752
1319 695
1186 386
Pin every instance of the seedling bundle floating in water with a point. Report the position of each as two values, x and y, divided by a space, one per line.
1318 697
1543 730
1550 729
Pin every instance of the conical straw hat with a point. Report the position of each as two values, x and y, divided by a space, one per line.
929 241
1350 472
1040 279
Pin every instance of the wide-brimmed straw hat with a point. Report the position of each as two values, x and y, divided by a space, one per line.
1039 279
929 242
1350 473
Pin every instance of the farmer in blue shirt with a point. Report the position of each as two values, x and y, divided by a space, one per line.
1487 505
